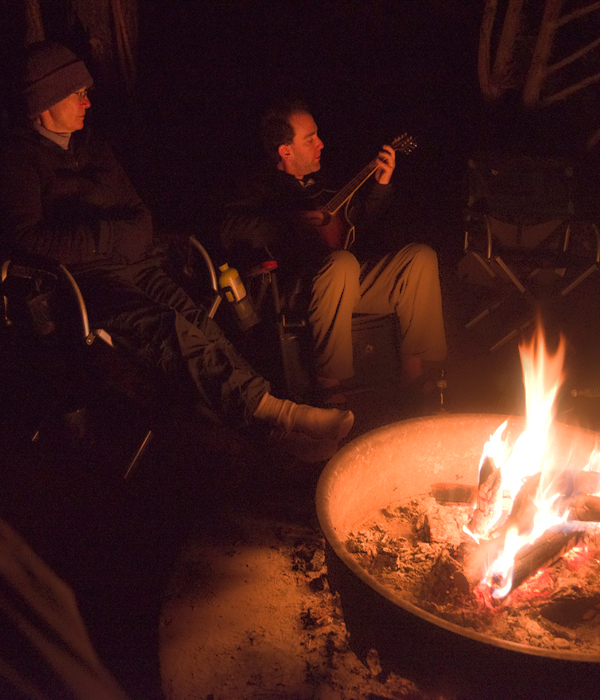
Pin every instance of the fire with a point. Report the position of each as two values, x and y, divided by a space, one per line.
505 468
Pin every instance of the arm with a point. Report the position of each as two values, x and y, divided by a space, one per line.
70 210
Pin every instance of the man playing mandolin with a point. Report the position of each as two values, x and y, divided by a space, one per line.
280 212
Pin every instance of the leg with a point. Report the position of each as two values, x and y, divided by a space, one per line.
335 293
159 323
407 284
225 381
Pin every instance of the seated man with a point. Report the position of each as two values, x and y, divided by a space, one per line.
64 196
279 212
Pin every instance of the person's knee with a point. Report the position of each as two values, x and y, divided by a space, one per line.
425 256
344 264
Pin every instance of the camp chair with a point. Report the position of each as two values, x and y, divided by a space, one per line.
285 338
30 310
522 238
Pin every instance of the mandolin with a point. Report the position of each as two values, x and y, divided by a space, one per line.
332 225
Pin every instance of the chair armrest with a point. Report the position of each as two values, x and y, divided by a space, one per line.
30 266
195 245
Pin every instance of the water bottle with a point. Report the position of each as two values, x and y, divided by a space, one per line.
235 292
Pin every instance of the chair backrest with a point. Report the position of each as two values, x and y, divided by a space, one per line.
520 190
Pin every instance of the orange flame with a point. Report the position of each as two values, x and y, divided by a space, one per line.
532 453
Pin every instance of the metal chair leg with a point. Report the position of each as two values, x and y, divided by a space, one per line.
138 455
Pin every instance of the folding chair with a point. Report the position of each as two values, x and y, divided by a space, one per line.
261 282
27 291
375 338
522 238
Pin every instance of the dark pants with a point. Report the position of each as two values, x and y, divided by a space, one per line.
157 320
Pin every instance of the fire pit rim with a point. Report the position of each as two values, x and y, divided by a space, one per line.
327 482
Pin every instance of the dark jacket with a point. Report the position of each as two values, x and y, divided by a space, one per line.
76 206
265 222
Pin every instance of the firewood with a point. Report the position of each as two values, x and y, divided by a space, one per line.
489 496
544 552
457 571
454 494
447 580
585 508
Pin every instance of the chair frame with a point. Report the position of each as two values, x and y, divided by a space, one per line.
495 257
88 334
295 379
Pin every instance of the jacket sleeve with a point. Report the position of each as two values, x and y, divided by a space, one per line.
264 223
76 215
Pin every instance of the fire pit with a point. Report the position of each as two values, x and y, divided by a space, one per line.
403 460
486 528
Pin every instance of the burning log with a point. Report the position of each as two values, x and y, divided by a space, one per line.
544 552
489 497
585 509
460 571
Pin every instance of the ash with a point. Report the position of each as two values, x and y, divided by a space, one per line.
415 548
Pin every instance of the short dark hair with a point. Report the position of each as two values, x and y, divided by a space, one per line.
275 127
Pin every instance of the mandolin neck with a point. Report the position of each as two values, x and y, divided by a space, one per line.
348 190
404 144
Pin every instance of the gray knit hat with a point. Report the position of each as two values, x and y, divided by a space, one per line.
52 72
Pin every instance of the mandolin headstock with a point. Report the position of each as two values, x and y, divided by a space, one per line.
404 143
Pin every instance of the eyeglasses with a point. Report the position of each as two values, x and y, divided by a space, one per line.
82 94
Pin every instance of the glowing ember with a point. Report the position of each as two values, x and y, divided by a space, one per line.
505 468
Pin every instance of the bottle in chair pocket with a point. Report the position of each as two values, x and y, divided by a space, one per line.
235 292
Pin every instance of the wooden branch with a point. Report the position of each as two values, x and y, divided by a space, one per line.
593 140
502 70
544 552
585 509
33 22
573 57
541 52
580 12
489 89
571 89
489 497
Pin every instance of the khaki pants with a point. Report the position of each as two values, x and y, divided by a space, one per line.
406 283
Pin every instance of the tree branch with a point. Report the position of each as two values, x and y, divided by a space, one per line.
573 57
578 13
506 46
571 89
489 89
543 46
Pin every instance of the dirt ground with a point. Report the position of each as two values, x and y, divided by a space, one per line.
207 573
249 611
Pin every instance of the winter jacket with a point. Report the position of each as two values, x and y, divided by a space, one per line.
76 206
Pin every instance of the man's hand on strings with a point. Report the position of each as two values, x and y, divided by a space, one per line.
386 162
314 218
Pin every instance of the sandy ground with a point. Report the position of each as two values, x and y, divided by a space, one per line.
249 611
260 621
207 572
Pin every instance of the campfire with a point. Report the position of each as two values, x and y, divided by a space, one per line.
530 507
495 536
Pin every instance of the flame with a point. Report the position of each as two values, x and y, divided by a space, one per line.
531 454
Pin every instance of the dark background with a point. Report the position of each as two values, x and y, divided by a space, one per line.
369 71
207 69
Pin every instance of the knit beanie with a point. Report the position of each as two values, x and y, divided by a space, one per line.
52 72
